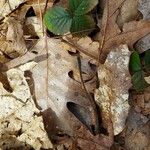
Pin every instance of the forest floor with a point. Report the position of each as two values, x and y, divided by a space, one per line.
63 92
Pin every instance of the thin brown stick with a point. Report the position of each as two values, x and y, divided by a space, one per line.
102 42
95 115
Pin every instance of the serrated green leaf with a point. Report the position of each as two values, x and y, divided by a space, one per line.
138 81
57 20
135 63
147 59
82 25
81 7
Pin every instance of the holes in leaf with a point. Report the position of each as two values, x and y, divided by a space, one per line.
34 52
71 75
30 12
73 53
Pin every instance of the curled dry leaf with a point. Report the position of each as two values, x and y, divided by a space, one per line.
21 127
112 95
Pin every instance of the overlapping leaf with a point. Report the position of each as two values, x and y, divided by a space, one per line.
82 24
60 21
57 20
81 7
147 59
135 63
137 73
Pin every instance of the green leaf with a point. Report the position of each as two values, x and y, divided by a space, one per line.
82 25
147 59
57 20
138 81
81 7
135 63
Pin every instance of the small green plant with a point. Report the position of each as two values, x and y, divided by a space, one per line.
74 19
136 70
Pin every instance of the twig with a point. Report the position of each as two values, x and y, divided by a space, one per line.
95 115
102 42
46 48
41 16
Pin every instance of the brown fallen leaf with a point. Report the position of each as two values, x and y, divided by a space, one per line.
86 140
111 36
60 94
144 43
138 131
12 42
128 12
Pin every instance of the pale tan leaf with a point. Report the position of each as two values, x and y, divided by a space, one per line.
24 127
112 94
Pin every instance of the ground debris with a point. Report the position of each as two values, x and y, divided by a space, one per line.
19 118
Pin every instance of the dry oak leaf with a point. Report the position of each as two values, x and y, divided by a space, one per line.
54 87
56 82
111 36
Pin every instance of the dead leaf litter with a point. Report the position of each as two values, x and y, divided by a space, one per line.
68 92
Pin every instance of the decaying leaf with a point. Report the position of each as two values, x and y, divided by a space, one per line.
138 131
62 85
111 36
12 42
112 94
8 6
21 127
144 43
